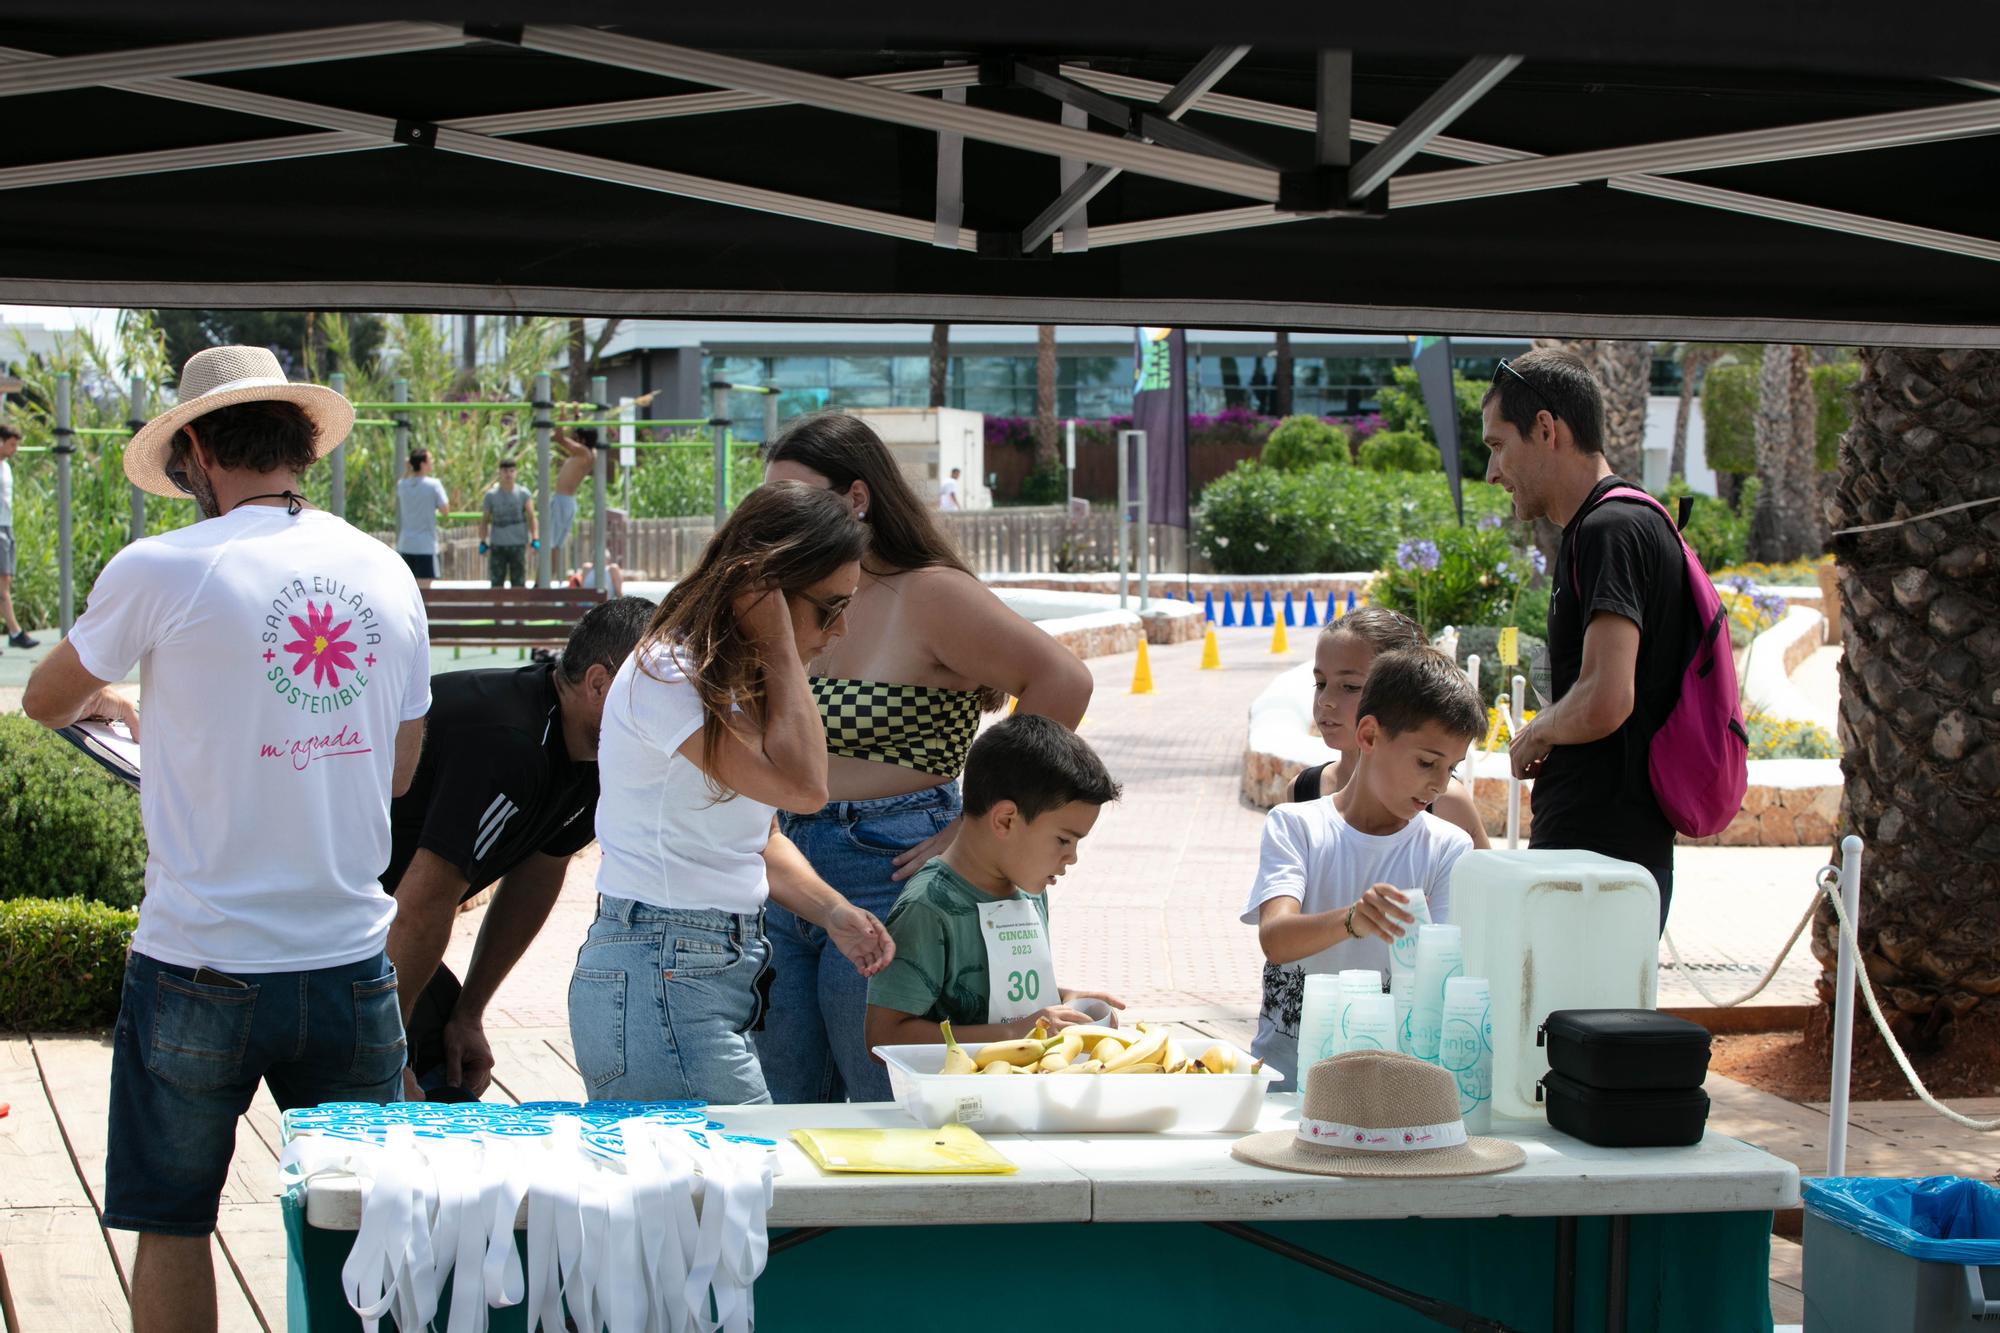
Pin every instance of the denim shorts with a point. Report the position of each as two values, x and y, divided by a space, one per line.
813 1047
662 1003
186 1058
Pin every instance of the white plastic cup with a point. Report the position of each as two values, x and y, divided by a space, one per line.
1319 1023
1403 952
1371 1023
1402 985
1440 956
1463 1050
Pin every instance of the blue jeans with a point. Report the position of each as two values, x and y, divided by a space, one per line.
186 1057
812 1046
662 1002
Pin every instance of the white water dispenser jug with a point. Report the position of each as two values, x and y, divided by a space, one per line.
1552 930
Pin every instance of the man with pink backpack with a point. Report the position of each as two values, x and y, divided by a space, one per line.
1644 737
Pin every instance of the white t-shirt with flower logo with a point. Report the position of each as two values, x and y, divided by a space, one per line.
278 655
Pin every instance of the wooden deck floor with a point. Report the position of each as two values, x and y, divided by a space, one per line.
62 1270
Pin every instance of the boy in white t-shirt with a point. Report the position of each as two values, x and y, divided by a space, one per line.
1334 874
285 671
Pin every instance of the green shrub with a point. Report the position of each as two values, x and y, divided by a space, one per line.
67 828
1257 520
1719 535
61 963
1774 738
1399 451
1305 442
680 482
1330 518
1729 417
1402 406
1494 678
1463 576
1833 395
1045 485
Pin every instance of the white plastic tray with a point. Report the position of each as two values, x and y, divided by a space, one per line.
1079 1103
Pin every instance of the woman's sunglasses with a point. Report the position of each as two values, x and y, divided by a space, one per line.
829 610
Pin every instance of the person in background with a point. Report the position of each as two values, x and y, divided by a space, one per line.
578 460
1620 621
10 443
930 649
708 730
949 499
507 530
285 669
1341 658
506 793
420 498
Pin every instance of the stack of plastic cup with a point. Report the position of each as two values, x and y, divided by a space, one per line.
1463 1049
1319 1023
1356 983
1371 1023
1402 985
1440 956
1403 952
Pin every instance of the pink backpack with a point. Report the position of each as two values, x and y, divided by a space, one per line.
1699 761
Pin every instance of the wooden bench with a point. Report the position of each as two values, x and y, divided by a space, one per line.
520 618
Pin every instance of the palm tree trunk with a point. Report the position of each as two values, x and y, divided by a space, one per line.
1786 524
1625 368
1045 395
1695 358
1919 724
1281 376
940 362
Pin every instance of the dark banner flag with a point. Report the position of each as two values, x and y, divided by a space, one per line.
1159 407
1432 358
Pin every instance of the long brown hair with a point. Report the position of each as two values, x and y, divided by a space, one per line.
784 535
905 532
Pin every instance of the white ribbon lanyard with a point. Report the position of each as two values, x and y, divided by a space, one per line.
1020 968
1367 1138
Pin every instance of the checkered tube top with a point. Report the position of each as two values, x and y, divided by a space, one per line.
923 727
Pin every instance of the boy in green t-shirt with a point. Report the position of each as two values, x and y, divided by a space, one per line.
975 914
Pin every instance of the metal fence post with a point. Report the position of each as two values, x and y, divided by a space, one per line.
1143 532
544 430
65 537
770 418
136 418
1124 507
337 460
1843 1009
1519 703
719 420
600 482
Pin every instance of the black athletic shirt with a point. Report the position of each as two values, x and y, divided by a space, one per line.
495 783
1626 560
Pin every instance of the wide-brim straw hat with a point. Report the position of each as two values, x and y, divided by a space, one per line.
223 377
1377 1113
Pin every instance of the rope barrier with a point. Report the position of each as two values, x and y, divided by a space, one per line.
1914 518
1682 968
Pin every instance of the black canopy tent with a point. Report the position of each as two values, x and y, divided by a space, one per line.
1719 171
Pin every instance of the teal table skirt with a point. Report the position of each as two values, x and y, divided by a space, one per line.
1686 1272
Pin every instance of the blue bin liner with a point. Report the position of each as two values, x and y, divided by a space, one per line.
1940 1219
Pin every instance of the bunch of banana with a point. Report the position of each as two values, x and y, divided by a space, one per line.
1091 1049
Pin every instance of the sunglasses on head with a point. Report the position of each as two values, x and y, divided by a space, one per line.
1507 369
830 610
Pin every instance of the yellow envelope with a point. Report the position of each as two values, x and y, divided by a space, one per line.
953 1150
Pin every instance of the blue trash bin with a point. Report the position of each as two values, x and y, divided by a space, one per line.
1920 1255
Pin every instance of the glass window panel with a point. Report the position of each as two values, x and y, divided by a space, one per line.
849 395
800 372
859 370
993 372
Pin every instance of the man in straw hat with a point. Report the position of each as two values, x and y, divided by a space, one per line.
1377 1113
284 663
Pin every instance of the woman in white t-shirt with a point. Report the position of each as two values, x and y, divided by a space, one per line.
709 729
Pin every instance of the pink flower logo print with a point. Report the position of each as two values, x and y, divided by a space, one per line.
319 645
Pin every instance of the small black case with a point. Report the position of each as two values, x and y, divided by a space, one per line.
1649 1118
1626 1049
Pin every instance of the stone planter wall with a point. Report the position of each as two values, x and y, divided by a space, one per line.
1096 640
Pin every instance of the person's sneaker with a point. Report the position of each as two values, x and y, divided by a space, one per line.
20 639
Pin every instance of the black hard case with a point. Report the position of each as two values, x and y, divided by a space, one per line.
1649 1118
1626 1050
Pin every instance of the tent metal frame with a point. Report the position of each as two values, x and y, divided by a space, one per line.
1153 142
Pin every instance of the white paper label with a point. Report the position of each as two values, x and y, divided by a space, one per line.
971 1110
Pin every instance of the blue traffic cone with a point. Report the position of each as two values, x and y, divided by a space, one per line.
1249 611
1268 620
1332 606
1290 618
1350 599
1208 606
1228 612
1312 611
